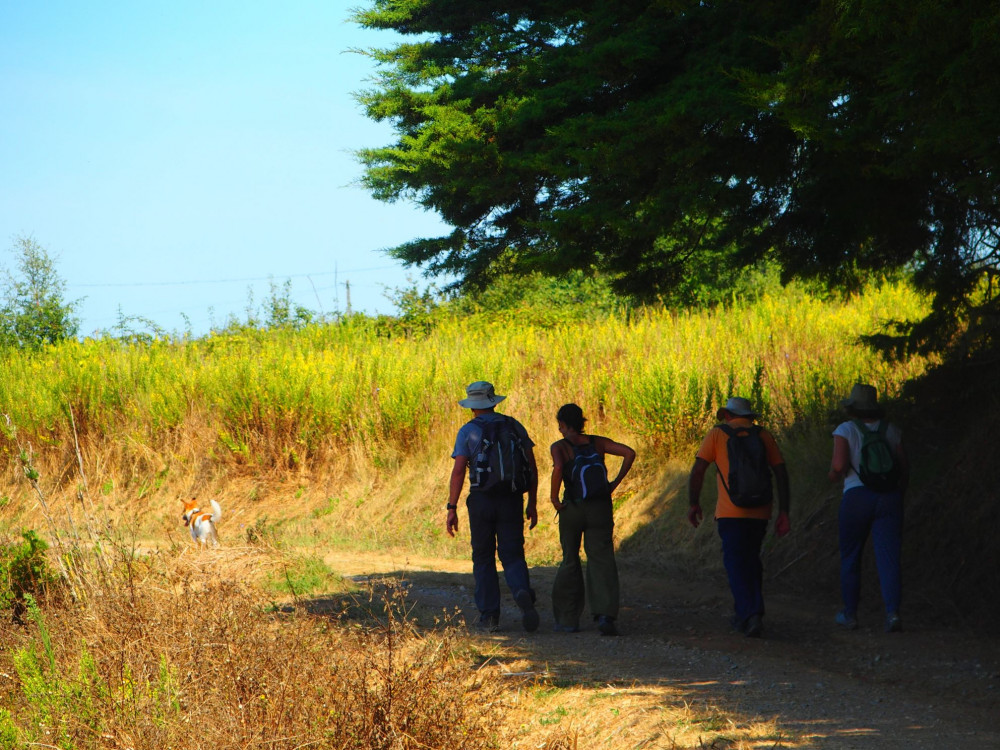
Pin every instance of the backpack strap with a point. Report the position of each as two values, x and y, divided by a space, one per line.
731 432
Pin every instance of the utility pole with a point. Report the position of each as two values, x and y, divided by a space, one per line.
347 286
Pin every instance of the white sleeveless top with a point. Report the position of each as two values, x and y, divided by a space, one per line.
849 431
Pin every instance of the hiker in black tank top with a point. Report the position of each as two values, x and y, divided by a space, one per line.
585 515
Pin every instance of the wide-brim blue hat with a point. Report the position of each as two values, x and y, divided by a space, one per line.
480 395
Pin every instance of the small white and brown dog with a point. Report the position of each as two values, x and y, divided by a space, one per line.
202 523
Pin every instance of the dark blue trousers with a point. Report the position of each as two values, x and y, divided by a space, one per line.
496 524
741 542
863 512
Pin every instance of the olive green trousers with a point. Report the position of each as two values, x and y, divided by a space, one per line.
591 522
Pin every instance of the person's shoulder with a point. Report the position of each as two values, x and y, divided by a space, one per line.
843 429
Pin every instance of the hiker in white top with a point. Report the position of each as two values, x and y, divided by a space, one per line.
868 455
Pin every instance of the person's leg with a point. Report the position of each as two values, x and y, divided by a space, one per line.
567 589
602 570
483 533
510 542
855 519
741 541
510 550
887 539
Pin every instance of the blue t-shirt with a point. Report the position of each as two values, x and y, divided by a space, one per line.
471 433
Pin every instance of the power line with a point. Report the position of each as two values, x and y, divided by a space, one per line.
227 281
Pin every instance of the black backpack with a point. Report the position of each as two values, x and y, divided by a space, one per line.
499 463
878 469
749 481
588 477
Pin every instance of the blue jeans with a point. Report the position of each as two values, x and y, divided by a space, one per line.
741 542
496 525
864 511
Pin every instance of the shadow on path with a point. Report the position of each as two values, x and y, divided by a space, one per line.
928 687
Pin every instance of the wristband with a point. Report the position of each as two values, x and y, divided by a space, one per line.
452 507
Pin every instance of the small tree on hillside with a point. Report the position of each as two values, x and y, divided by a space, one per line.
34 310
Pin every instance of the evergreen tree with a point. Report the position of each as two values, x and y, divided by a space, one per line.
655 141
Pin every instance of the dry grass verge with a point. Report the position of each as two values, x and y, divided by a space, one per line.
175 653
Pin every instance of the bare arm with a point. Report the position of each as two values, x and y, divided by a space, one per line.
531 512
626 453
841 461
695 483
455 485
555 484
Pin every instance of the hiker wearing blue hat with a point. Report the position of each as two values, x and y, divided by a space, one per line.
497 454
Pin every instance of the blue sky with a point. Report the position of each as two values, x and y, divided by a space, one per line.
173 156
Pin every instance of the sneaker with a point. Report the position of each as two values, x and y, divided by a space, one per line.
606 625
566 628
488 623
529 615
845 620
893 624
754 626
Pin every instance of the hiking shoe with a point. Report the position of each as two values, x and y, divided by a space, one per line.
566 628
893 624
845 620
488 623
606 625
753 627
529 615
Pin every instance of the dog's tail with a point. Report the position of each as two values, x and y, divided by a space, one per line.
216 511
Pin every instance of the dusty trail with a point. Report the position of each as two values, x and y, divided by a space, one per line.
932 686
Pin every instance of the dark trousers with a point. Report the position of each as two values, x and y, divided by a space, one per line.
496 524
593 521
863 511
741 542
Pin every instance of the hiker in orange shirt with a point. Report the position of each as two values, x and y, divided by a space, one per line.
744 504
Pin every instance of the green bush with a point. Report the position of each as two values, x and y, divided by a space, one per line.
24 570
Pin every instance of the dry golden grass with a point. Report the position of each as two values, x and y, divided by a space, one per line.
178 652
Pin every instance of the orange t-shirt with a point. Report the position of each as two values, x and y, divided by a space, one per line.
713 449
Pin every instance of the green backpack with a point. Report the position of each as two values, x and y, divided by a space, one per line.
878 468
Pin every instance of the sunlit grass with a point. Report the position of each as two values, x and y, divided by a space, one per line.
277 398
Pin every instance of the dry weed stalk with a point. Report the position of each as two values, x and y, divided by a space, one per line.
149 653
182 659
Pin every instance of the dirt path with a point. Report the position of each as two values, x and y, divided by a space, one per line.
931 686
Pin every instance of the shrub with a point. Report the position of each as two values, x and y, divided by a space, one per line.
24 571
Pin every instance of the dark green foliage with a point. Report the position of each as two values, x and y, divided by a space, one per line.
538 299
664 144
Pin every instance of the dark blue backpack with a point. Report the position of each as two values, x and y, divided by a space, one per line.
499 463
588 477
